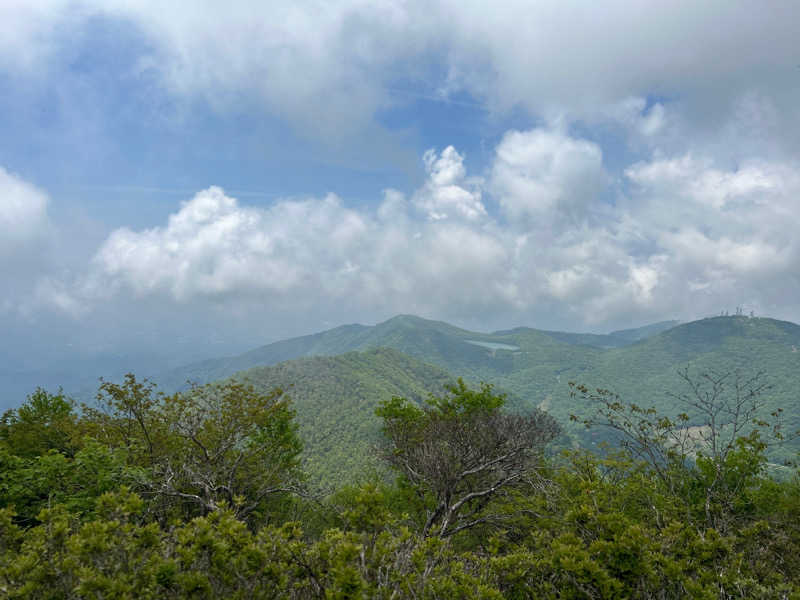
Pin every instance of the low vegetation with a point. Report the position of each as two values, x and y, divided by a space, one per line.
201 495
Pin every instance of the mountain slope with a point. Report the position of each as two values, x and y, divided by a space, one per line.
615 339
335 399
646 372
458 350
535 367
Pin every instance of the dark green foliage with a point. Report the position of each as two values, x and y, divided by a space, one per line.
45 459
31 484
146 496
223 444
187 454
602 527
44 422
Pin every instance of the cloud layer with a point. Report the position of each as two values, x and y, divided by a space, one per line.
640 161
328 69
679 237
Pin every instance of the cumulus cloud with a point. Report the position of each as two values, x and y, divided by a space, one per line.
698 181
543 174
213 246
297 253
448 193
685 238
725 232
23 211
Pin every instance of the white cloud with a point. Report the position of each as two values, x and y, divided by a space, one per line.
23 213
324 68
27 32
329 68
295 253
544 174
755 199
549 56
213 247
699 181
723 235
448 193
303 254
687 238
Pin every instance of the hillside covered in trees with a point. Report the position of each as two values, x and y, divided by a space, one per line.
341 375
435 342
335 398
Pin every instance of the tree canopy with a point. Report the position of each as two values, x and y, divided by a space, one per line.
198 495
461 450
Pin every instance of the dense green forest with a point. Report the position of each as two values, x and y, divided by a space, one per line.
202 494
335 396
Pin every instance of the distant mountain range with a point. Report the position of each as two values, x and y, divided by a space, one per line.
340 375
336 378
435 342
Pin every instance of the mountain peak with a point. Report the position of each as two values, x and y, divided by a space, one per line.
405 318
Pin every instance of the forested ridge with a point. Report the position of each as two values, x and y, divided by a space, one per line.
202 494
335 398
534 367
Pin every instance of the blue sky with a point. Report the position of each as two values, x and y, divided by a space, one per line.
180 181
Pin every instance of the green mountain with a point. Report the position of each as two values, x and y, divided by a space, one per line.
533 366
439 343
615 339
335 398
646 372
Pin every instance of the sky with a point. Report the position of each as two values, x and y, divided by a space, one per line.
187 180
